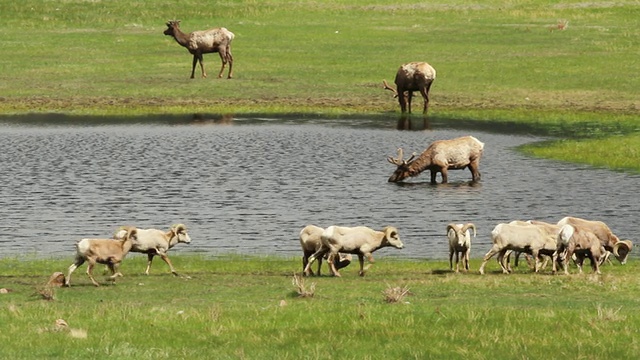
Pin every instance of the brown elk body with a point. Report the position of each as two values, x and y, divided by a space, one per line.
204 42
414 76
439 157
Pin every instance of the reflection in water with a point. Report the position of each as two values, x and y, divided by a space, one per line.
407 122
250 187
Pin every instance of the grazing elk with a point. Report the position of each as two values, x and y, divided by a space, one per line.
439 157
204 42
414 76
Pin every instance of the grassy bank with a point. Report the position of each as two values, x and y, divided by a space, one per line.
248 308
497 61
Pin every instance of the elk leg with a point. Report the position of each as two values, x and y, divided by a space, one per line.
193 65
230 60
223 57
445 177
473 167
402 100
201 61
425 95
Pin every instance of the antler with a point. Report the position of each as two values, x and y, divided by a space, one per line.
387 87
398 161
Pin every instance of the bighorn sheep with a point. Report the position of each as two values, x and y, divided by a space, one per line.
414 76
204 42
359 240
310 240
102 251
440 157
581 242
523 237
619 248
460 244
156 242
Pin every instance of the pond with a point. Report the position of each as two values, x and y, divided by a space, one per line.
248 185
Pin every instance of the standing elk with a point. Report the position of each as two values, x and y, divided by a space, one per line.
439 157
414 76
204 42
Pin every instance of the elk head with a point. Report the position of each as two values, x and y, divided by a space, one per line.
172 25
402 171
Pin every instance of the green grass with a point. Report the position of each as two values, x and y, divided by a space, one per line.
247 308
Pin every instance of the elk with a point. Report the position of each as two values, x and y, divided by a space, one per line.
414 76
440 157
204 42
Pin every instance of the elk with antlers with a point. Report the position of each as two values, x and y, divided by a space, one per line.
414 76
204 42
439 157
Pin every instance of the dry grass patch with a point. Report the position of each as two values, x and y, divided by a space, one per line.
301 287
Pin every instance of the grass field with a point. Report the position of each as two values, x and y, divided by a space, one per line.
501 62
248 308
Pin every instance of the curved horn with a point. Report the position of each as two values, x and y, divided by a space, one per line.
179 227
616 248
452 226
469 226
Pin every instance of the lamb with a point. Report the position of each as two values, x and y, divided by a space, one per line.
359 240
439 157
414 76
531 238
581 242
460 244
156 242
204 42
619 248
310 241
103 251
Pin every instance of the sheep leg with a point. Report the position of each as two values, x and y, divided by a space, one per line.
90 272
451 251
494 250
457 261
313 258
149 260
332 265
466 259
363 269
502 262
164 257
409 97
72 268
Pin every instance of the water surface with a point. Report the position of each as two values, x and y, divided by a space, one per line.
247 186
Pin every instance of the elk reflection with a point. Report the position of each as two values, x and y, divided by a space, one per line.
406 122
208 119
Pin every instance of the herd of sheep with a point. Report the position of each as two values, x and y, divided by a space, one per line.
570 238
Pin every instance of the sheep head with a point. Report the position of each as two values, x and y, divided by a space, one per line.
622 249
403 166
180 231
391 237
